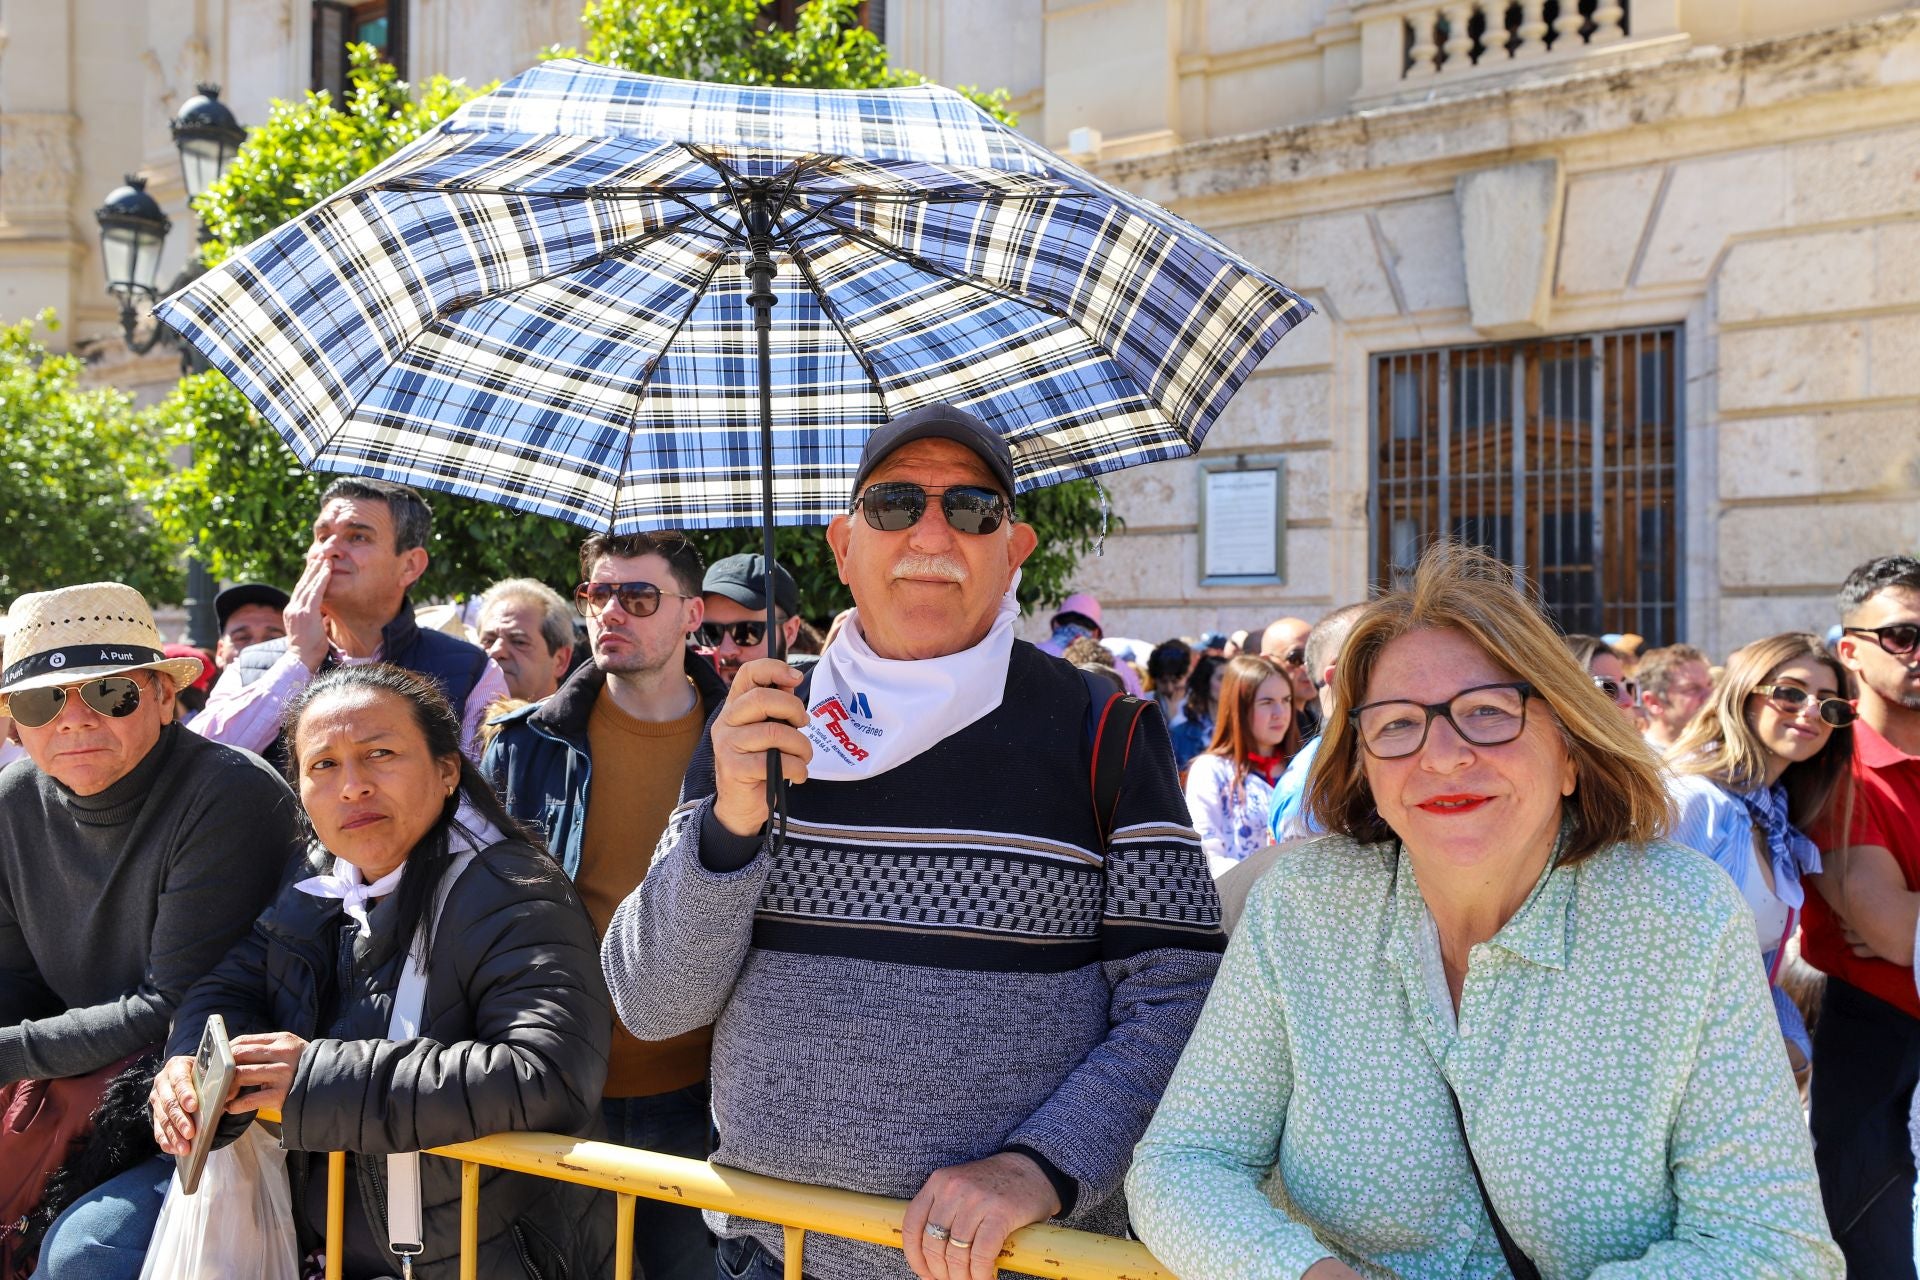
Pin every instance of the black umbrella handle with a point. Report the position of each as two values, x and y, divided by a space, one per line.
760 272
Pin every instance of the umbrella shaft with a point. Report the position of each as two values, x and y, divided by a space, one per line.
760 270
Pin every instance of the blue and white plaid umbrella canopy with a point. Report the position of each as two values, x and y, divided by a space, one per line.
542 303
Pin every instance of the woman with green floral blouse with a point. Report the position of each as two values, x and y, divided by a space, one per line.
1495 925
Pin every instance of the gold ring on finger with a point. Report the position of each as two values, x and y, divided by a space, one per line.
959 1244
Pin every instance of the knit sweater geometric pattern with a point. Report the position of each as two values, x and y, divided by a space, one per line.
937 964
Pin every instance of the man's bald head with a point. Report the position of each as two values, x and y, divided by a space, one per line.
1284 644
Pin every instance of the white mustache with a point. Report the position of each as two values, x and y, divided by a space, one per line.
917 566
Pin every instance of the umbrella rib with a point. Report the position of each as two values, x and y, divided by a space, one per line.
646 382
1000 291
846 335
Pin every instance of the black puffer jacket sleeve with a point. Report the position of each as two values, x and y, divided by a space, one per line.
516 1027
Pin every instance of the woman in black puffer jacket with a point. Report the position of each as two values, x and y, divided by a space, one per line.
515 1022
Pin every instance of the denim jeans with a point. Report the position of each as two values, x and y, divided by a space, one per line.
670 1242
744 1258
104 1234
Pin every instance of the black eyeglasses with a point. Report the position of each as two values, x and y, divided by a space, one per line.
1792 699
745 634
1621 693
894 505
639 599
115 696
1485 715
1900 639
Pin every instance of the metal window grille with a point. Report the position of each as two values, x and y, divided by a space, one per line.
1561 456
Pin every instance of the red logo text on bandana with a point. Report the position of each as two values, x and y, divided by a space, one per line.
831 714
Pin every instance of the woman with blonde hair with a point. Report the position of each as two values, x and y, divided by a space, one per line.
1493 1022
1762 763
1230 784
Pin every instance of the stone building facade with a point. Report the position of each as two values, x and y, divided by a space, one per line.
1629 292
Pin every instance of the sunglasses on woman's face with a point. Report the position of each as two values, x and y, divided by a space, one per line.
1792 700
896 505
638 599
1622 693
116 697
745 634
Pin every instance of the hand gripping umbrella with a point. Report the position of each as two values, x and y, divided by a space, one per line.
544 303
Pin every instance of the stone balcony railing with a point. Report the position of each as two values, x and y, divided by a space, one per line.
1412 48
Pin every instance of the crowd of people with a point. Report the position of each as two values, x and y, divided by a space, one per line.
1548 956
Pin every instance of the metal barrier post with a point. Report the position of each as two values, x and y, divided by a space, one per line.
796 1241
623 1235
469 1220
336 1215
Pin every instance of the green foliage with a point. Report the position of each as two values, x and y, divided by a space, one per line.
70 461
249 502
309 149
735 42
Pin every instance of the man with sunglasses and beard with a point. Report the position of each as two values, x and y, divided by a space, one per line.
598 766
133 854
735 625
938 975
1860 932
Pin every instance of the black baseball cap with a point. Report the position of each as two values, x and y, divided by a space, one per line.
243 594
942 422
743 580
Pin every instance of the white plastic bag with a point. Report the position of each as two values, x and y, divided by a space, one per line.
237 1226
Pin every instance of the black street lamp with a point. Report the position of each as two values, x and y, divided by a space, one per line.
133 231
207 136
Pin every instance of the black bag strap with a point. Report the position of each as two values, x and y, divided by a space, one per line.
1113 718
1517 1260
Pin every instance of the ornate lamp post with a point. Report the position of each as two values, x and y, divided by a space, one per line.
133 231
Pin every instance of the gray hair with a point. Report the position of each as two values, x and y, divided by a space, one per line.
1328 634
412 517
556 617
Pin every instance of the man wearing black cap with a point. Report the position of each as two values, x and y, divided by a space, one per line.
939 979
249 613
735 627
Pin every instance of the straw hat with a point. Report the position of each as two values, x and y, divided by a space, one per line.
77 633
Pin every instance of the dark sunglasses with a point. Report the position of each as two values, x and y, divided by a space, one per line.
1621 693
1837 712
115 696
639 599
745 634
1900 639
894 505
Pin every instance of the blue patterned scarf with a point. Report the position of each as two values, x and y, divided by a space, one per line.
1792 854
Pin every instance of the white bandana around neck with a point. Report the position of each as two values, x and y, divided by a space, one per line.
870 714
345 882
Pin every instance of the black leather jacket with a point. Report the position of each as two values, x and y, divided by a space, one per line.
514 1037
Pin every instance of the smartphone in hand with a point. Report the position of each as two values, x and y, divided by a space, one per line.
213 1071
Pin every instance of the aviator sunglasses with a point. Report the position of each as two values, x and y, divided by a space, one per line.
114 696
639 599
894 505
1837 712
1621 693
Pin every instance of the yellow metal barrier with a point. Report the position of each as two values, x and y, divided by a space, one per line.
1055 1253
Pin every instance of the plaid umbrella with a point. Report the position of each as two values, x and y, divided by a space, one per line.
549 302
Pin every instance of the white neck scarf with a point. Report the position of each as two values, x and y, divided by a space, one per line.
871 714
345 881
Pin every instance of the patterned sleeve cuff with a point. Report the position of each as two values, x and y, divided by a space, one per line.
1064 1185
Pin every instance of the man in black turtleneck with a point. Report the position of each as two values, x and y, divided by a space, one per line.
133 854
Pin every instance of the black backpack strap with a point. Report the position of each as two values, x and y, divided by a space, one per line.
1518 1262
1112 719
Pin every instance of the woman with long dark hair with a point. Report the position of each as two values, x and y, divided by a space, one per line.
1766 760
414 865
1230 784
1191 735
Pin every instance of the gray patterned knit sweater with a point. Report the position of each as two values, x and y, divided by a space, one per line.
942 963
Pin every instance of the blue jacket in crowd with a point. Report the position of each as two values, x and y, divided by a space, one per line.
540 762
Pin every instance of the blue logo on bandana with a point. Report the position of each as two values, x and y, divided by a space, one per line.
858 707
